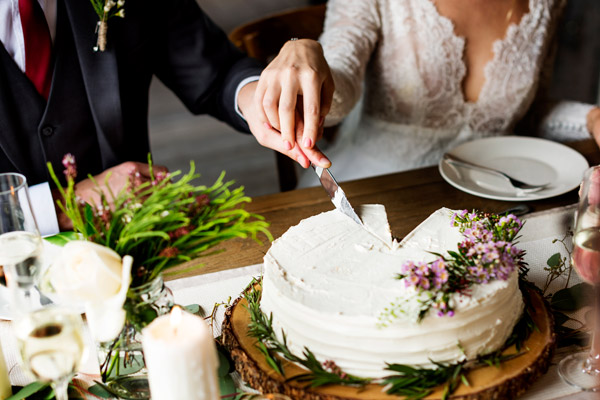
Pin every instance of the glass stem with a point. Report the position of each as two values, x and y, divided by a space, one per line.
61 388
593 362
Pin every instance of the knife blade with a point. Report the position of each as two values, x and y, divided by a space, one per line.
335 192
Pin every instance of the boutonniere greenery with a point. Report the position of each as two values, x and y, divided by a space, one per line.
106 9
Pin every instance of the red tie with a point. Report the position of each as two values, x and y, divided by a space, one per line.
38 46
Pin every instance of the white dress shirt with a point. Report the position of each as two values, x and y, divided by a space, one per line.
11 36
11 31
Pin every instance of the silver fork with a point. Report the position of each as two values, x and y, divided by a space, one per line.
520 185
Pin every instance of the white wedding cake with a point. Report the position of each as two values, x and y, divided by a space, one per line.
327 282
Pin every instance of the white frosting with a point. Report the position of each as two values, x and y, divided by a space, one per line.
327 280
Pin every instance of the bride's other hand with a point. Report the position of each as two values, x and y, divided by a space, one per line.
593 123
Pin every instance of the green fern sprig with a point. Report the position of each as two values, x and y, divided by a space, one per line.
164 222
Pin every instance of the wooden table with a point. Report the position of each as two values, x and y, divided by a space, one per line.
409 197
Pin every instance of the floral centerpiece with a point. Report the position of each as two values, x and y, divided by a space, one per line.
486 253
145 230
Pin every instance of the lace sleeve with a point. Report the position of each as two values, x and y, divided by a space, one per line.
566 121
350 34
561 121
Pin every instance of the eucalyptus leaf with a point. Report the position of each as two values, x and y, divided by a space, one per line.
224 366
227 385
560 318
573 298
195 309
119 396
29 390
99 391
567 337
60 239
89 218
554 260
133 364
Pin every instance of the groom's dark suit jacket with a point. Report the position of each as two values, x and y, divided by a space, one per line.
98 105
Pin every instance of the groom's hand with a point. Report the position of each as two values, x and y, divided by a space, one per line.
112 180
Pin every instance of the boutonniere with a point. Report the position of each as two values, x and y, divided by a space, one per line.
106 9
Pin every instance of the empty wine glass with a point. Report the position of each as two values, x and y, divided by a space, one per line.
20 241
583 369
51 345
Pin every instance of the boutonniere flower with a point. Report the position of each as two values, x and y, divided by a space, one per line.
106 9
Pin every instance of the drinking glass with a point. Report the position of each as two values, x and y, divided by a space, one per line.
583 369
51 345
20 241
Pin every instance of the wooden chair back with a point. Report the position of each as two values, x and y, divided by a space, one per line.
262 39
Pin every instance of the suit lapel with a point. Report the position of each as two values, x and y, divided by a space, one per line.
11 142
100 76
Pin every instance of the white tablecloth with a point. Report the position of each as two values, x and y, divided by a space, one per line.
537 234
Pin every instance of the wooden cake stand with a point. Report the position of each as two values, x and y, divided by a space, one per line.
508 381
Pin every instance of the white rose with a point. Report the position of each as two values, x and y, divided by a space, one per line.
89 273
86 271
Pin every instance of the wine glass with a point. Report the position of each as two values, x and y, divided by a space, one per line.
20 241
583 369
51 345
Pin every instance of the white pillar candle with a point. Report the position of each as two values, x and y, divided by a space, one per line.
181 358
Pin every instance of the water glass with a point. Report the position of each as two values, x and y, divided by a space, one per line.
20 241
50 342
583 369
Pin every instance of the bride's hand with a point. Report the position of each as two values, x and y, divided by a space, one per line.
290 101
269 137
593 123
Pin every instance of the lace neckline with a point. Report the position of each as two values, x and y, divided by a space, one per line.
497 46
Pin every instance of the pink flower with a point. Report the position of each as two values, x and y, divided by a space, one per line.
169 252
68 162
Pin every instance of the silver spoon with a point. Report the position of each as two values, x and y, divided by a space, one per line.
520 185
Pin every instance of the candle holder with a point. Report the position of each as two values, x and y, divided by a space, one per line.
122 365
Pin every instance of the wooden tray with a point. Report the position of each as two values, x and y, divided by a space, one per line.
508 381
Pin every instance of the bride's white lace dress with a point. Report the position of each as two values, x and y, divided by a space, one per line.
408 61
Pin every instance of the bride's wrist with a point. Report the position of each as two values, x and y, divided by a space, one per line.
593 121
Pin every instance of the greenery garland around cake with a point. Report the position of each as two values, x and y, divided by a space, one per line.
486 253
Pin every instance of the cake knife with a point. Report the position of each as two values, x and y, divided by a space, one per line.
335 192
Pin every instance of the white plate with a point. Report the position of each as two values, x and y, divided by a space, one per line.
532 160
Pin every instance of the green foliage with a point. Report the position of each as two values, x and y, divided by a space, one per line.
486 253
37 389
411 382
557 265
60 239
416 383
99 391
570 300
164 222
261 328
226 383
573 298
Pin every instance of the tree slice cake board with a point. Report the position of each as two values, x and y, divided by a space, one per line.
507 381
